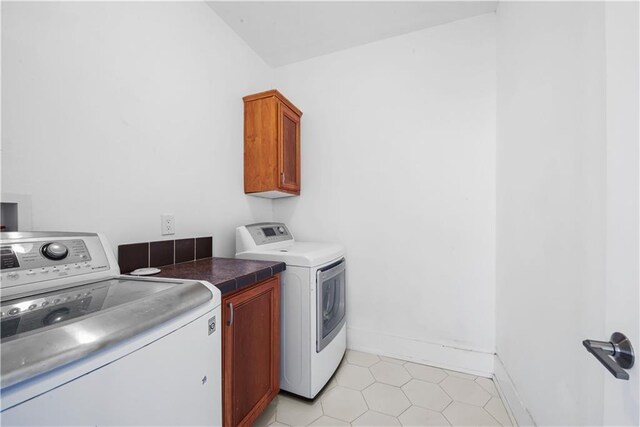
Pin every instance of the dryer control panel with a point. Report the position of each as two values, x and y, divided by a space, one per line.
268 232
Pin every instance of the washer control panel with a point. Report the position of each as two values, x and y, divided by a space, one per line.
269 232
42 254
33 260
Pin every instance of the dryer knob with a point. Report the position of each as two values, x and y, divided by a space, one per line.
281 230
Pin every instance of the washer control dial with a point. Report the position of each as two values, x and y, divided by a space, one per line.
55 251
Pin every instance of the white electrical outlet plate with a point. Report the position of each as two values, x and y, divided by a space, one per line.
167 224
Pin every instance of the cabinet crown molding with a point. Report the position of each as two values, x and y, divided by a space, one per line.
272 93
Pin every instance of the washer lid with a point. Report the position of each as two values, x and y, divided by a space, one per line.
43 332
300 254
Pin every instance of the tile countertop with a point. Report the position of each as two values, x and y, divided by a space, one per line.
227 274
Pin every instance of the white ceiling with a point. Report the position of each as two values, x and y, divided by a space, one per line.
283 32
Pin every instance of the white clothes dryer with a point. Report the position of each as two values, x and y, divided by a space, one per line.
313 307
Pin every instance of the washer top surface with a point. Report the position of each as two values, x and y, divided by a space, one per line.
301 254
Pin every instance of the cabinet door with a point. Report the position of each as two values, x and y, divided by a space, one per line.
251 352
288 148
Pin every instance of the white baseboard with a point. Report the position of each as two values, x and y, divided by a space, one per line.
510 395
474 362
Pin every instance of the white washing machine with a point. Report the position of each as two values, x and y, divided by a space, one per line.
82 345
313 336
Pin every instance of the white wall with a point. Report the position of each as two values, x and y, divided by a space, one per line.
398 164
622 22
114 113
551 198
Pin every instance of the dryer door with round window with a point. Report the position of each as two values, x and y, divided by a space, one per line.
330 303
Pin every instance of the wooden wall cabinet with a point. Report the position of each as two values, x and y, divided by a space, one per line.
250 351
271 145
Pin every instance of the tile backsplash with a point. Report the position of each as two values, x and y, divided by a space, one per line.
164 252
185 250
161 253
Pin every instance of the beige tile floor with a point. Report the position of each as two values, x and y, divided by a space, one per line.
370 390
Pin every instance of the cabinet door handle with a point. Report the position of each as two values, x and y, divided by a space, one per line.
230 314
282 177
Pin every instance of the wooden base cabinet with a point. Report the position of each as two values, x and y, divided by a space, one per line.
271 145
251 351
